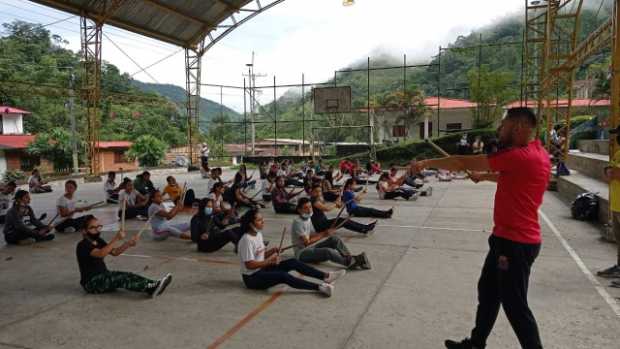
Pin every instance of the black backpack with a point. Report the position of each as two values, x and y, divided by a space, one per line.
585 207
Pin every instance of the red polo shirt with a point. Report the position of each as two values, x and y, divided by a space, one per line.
523 178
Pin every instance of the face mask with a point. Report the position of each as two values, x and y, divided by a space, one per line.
94 236
208 210
306 216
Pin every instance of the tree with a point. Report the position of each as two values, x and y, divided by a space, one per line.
148 150
491 90
55 146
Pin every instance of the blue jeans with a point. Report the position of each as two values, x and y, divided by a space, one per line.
279 274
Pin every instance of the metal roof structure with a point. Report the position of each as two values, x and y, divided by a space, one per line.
179 22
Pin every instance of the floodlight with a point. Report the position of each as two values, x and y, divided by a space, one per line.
348 2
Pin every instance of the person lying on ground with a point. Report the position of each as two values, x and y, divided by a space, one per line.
387 190
208 232
262 269
175 192
352 203
94 275
161 228
331 248
321 222
143 184
7 194
282 199
37 185
136 203
110 189
17 229
66 206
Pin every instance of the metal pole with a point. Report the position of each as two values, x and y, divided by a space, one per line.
275 120
479 72
438 91
407 100
303 116
74 144
245 123
370 138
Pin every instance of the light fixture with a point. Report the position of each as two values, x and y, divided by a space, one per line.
348 2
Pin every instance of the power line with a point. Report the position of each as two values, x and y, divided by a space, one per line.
157 62
131 59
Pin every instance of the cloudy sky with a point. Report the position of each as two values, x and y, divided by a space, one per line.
313 37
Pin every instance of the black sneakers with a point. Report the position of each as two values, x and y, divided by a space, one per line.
161 285
610 273
464 344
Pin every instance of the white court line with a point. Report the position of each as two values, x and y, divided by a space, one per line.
431 228
597 285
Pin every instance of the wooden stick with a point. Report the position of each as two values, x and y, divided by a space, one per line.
53 219
146 225
344 205
443 152
256 194
282 239
123 210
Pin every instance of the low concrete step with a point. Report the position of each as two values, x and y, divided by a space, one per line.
589 164
596 146
577 183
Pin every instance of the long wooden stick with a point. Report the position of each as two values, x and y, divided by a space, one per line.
146 225
53 219
344 205
281 240
123 210
442 152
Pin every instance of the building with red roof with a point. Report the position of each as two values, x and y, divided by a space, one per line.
113 156
13 143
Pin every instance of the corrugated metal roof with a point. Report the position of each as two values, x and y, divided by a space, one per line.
10 110
179 22
15 141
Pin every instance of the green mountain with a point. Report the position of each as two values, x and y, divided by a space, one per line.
209 109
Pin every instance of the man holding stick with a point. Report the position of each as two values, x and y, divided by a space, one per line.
522 173
332 248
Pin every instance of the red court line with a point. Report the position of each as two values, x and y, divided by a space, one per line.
247 318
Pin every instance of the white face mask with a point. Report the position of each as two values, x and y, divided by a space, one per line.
306 216
208 210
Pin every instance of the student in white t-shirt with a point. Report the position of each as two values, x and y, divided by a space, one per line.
160 217
67 208
110 189
262 269
136 202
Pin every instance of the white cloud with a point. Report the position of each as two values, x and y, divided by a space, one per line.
314 37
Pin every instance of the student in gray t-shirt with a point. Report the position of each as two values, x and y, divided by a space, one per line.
331 249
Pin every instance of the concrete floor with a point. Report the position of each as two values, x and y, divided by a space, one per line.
421 290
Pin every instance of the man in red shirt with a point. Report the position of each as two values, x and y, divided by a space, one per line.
522 171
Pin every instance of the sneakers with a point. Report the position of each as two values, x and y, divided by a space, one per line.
364 262
326 289
47 237
414 196
610 273
141 218
161 285
69 230
615 284
334 275
464 344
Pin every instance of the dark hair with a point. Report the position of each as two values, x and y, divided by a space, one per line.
216 185
523 114
111 173
202 203
301 202
126 180
146 173
238 178
20 194
349 182
72 182
247 219
315 186
384 175
11 184
169 178
87 219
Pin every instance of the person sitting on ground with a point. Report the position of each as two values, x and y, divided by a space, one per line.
246 181
478 146
208 232
212 179
352 203
66 206
332 248
95 276
330 193
387 190
281 199
175 192
17 230
110 189
37 185
136 203
225 213
143 184
321 222
262 269
269 184
236 197
159 216
413 177
6 198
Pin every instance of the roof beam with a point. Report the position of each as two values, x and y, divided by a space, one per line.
229 5
176 12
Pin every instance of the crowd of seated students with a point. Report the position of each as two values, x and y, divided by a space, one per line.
310 192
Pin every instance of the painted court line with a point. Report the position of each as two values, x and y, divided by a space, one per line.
597 285
247 318
188 259
431 228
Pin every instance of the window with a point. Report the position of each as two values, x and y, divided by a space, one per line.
119 157
399 131
430 129
454 127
